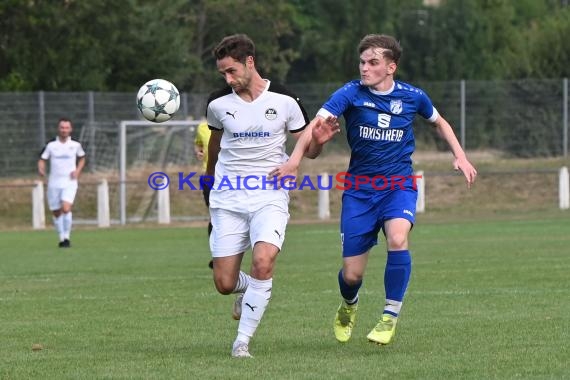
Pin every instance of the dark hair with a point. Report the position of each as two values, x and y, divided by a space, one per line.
64 119
237 46
392 48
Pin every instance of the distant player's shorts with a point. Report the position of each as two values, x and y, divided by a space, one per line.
363 215
57 195
235 232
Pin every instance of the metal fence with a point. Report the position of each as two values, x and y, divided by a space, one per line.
523 118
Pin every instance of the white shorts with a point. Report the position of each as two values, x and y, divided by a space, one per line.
235 232
57 195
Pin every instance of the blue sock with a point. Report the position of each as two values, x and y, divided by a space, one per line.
396 278
348 292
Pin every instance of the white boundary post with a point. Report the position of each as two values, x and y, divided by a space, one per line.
564 188
324 199
103 213
123 172
123 156
38 206
163 206
420 182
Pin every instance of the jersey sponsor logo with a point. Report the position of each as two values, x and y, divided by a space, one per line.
384 120
371 133
62 156
270 114
256 134
396 106
369 104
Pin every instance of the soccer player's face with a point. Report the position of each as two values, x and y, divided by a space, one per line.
64 129
236 74
374 68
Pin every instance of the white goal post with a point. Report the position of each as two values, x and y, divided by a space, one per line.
123 125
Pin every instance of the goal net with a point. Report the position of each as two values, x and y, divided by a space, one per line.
129 153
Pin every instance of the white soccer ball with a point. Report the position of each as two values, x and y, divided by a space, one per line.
158 100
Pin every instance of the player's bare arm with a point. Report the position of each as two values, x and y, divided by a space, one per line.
80 165
325 130
41 168
461 162
307 145
199 151
213 151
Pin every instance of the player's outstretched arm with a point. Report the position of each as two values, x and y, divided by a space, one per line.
461 162
308 145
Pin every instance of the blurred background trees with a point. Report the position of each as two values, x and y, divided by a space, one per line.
105 45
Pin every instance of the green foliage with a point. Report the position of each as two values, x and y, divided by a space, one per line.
116 45
99 45
547 48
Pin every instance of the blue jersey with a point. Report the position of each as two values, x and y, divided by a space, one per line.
379 126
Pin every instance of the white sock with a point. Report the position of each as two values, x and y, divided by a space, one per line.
242 283
58 225
67 221
254 302
392 307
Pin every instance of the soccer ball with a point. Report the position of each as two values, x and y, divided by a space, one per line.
158 100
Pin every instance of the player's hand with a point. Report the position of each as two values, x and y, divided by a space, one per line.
41 172
284 173
199 155
325 129
467 169
74 174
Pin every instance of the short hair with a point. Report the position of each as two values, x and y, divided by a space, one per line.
392 48
64 119
237 46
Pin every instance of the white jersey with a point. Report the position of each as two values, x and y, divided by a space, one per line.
253 144
63 160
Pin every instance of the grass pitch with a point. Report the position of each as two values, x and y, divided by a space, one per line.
487 299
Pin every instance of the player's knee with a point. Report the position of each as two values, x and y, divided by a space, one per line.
224 286
398 241
66 208
262 269
352 277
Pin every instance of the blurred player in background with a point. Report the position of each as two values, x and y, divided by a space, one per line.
67 159
379 113
249 120
201 150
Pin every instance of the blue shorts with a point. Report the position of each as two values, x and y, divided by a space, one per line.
363 215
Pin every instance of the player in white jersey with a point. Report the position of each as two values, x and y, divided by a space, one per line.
249 122
67 159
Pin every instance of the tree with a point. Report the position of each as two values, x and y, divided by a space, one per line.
76 45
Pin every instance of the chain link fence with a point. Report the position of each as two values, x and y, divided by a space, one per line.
523 118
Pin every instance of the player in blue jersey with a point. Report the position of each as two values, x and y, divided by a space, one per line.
380 191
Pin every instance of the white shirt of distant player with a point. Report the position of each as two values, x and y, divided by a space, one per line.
253 142
62 158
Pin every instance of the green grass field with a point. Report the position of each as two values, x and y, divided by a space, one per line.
487 299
